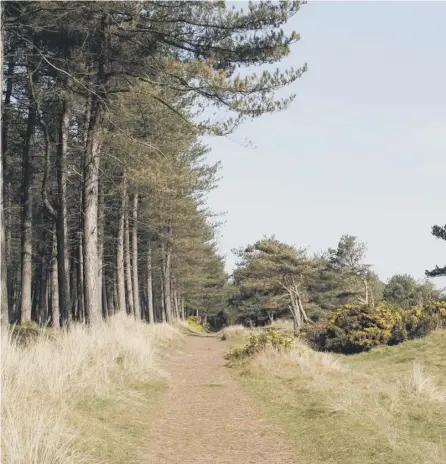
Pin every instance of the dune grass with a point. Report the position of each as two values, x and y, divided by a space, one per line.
81 397
233 332
385 406
286 324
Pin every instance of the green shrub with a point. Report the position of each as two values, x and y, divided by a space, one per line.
316 334
194 323
421 320
399 332
269 338
354 328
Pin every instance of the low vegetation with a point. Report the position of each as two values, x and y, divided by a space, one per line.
387 405
194 323
259 342
233 331
58 389
356 328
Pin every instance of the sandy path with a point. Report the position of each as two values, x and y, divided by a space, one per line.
206 417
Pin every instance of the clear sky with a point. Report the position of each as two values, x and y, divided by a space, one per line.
361 151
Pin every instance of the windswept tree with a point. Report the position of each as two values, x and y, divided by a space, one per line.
276 272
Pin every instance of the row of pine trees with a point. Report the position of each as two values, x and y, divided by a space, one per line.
104 177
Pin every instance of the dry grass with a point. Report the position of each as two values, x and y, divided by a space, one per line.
233 331
384 406
45 381
420 384
285 364
286 324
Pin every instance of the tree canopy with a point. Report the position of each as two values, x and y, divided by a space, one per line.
106 178
270 274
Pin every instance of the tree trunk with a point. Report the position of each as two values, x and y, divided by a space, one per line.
128 264
104 301
303 314
296 306
366 291
90 203
91 174
115 298
120 268
136 301
110 299
149 284
35 298
55 313
27 213
40 306
183 315
43 295
48 292
63 262
73 283
372 299
5 129
166 282
101 226
162 299
175 300
10 301
296 316
80 277
3 275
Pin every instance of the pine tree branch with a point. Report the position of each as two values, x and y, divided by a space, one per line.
439 232
437 272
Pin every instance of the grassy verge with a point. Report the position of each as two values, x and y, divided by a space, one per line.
114 429
82 397
386 406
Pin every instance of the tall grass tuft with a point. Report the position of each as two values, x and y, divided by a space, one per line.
42 379
420 384
233 331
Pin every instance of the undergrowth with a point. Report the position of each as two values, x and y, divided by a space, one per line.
258 342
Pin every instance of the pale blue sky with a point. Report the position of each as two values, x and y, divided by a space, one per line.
361 150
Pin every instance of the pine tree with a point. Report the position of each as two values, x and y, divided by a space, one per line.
277 272
439 232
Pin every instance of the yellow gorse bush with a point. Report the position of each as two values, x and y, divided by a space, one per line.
194 323
356 328
421 320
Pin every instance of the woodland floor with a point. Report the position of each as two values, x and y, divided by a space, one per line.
207 417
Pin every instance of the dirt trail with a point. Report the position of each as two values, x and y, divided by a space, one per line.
206 417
